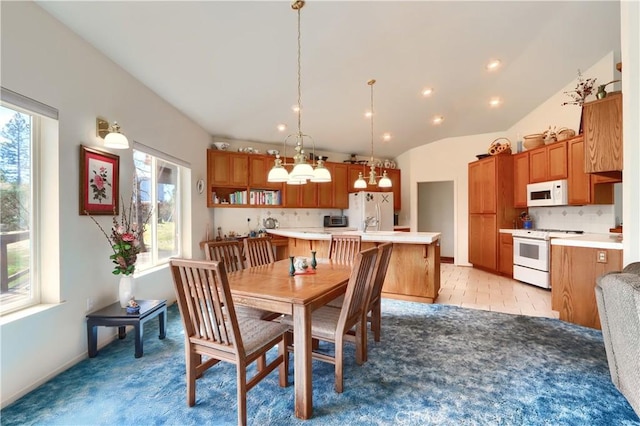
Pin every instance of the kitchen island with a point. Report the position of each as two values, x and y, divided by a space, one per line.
414 268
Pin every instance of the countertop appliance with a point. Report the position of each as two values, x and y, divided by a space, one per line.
374 208
551 193
531 254
336 222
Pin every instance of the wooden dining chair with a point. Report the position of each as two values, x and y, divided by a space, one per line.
229 252
332 324
213 330
344 248
373 313
258 251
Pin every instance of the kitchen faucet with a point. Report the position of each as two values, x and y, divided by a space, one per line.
370 221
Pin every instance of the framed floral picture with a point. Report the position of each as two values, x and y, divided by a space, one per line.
99 182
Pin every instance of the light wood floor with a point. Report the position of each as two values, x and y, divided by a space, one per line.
472 288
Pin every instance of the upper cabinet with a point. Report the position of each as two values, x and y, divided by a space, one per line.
237 179
585 188
520 178
602 124
225 168
548 162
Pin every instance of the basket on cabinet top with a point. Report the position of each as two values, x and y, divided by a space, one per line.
500 146
533 141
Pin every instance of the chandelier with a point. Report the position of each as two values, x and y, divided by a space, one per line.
302 170
373 177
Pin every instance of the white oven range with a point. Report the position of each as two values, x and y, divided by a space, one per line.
531 254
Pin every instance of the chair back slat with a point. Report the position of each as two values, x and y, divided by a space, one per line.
384 256
228 252
258 251
344 248
205 303
356 298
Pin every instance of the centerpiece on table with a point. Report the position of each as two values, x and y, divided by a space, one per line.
126 242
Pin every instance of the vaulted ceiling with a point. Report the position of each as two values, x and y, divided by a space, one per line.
232 66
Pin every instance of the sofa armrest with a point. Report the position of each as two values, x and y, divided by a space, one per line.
632 268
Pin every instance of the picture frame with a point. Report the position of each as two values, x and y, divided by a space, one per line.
99 182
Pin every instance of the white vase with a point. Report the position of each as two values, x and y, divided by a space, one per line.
126 289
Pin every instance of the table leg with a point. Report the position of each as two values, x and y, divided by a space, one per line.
162 317
92 340
138 332
122 332
302 361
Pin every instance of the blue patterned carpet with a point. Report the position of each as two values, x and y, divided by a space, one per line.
436 365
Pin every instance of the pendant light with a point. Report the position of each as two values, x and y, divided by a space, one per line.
302 170
372 178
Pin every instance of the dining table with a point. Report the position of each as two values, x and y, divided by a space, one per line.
271 287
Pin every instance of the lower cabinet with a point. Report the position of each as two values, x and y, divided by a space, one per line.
505 258
483 241
574 271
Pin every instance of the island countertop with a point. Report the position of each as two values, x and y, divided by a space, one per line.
398 237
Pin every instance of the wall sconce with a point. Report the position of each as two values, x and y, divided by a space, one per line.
111 134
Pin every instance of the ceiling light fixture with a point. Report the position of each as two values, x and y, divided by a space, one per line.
494 102
111 134
427 92
385 182
438 119
493 65
302 171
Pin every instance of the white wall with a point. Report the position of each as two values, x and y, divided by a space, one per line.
45 61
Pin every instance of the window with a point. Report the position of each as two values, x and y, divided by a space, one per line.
19 206
157 195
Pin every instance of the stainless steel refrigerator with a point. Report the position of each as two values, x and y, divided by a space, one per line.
375 206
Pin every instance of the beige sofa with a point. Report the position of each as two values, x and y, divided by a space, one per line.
618 298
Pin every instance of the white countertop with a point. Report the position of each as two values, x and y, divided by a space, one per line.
372 236
602 241
590 240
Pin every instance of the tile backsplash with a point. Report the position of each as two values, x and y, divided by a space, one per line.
235 219
590 218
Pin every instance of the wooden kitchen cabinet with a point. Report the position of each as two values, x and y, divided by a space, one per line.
491 208
602 125
548 162
574 271
585 188
396 188
520 179
259 167
505 254
336 194
225 168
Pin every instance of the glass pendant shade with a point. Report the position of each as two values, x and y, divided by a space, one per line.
385 182
116 141
302 171
321 173
294 181
278 174
360 182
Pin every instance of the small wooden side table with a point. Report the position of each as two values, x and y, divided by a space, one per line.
116 316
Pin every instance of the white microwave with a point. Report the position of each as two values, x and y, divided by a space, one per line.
551 193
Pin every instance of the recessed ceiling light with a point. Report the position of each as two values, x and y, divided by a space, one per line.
438 119
295 108
494 102
427 91
368 114
282 127
386 136
493 65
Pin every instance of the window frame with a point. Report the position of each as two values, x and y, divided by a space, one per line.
35 264
181 168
